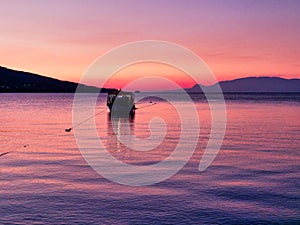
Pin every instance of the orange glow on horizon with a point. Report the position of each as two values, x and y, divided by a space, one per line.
149 69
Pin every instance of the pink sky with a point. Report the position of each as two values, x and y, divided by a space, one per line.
235 38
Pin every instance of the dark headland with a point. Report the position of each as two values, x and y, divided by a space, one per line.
13 81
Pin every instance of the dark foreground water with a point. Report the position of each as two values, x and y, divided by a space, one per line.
254 178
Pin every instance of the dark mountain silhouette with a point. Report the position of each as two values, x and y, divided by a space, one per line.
254 84
19 81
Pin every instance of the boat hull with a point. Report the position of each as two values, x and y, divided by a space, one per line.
121 110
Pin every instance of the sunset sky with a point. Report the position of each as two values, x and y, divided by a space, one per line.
236 38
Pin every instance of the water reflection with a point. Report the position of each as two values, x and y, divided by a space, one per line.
119 128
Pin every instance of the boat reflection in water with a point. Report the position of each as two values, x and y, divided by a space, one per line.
120 129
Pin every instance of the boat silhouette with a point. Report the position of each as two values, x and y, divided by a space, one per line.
120 103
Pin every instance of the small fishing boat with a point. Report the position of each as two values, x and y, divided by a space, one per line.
120 102
121 105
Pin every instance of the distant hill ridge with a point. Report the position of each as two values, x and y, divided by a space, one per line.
19 81
254 84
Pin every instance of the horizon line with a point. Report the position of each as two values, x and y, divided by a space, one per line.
244 77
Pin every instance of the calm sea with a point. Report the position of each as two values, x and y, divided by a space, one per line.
255 177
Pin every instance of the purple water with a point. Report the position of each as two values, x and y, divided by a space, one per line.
254 178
